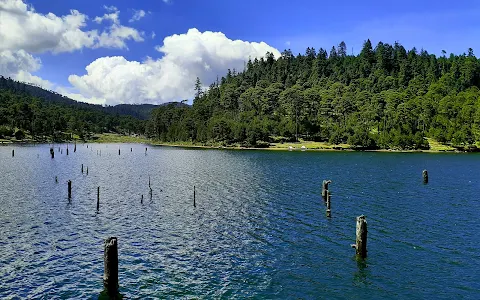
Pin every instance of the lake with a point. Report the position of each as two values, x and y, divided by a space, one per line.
259 228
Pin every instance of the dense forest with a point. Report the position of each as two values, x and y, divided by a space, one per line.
385 97
42 114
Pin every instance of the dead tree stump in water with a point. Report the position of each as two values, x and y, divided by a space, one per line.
328 197
425 176
98 198
69 189
325 184
361 237
110 273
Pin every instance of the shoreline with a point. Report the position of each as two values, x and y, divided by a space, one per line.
274 147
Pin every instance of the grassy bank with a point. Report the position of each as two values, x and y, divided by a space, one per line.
435 146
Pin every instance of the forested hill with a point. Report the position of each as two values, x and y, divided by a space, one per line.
29 111
139 111
385 97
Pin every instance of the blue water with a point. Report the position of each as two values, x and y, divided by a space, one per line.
259 228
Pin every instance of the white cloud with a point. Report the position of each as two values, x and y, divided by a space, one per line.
24 32
137 15
171 77
79 97
19 65
153 35
22 28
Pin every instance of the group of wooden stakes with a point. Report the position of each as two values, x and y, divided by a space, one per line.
110 275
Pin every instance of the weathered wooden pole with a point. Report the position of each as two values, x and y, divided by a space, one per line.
67 149
13 152
110 273
361 237
425 176
194 203
329 213
69 189
141 201
87 170
131 149
75 147
61 151
82 168
118 151
98 198
148 181
325 188
56 179
52 153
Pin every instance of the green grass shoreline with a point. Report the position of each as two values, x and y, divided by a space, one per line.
435 147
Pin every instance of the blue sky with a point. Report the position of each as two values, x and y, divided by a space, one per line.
432 25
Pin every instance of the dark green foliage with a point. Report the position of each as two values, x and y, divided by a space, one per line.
385 97
43 117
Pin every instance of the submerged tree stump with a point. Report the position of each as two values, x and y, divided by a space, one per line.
425 176
98 198
361 237
328 197
69 189
325 184
110 273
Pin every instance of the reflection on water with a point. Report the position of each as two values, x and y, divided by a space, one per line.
258 229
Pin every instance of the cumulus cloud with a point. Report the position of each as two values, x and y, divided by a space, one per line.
137 15
19 65
21 27
171 77
24 32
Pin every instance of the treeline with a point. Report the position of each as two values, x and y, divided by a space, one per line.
22 114
139 111
385 97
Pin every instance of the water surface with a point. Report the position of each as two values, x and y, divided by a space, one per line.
259 228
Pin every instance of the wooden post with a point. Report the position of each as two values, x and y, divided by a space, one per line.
110 273
119 151
425 176
87 170
52 152
194 204
69 189
361 237
131 149
325 188
75 147
56 179
141 201
329 214
13 152
67 149
148 181
61 151
151 193
82 168
98 198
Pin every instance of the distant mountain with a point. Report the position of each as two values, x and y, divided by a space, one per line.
139 111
